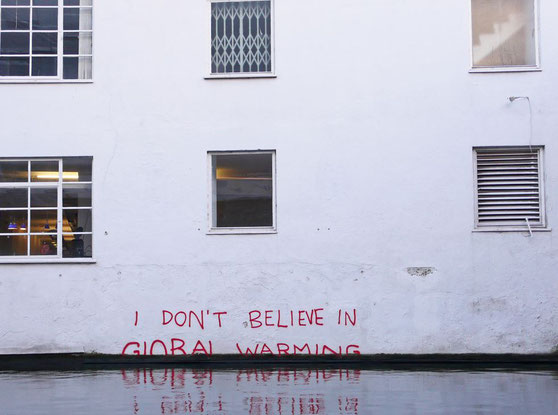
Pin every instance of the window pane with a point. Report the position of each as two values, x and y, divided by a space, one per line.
41 197
15 2
244 190
13 171
78 43
14 43
76 220
45 19
45 43
14 19
76 196
43 221
77 19
44 171
77 246
13 221
77 68
14 66
44 67
503 32
14 197
13 245
77 169
45 2
77 2
43 244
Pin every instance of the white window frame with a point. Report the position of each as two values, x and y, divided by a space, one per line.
212 209
543 226
58 259
58 79
499 69
238 75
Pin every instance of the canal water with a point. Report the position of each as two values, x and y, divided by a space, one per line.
293 392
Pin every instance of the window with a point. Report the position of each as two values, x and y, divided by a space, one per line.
45 209
242 192
504 34
509 188
241 38
45 40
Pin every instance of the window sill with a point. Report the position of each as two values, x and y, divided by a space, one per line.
503 69
240 75
511 229
7 261
46 81
241 231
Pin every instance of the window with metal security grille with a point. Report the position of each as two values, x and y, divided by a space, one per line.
46 209
509 188
241 37
46 40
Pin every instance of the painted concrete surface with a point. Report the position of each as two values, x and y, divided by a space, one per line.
373 115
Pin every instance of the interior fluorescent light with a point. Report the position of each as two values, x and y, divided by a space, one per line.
67 175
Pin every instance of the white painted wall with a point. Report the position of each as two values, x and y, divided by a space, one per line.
373 116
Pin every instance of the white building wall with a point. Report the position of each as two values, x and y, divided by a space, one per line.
373 115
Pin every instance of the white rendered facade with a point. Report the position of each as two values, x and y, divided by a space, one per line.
372 112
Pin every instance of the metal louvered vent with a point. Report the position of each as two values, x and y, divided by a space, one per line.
509 188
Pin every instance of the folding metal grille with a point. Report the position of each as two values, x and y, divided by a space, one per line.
241 37
509 187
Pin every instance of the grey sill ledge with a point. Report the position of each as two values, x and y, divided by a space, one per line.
512 230
240 76
57 261
505 70
45 81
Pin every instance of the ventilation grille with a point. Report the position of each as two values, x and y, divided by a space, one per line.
508 187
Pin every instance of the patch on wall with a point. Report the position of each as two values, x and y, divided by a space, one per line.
420 271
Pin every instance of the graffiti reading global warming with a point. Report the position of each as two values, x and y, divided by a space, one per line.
264 322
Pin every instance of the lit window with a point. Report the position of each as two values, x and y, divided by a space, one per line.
242 193
504 34
45 40
241 37
509 188
45 208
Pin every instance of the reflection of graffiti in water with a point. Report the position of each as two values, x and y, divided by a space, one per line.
254 391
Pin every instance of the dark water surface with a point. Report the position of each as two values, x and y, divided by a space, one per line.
257 391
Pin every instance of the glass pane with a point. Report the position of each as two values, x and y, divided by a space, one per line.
244 190
15 2
14 66
13 221
43 221
78 43
45 43
44 67
13 245
77 68
44 171
14 43
76 196
76 220
78 2
41 197
13 171
77 169
45 2
77 246
13 197
77 19
503 32
14 19
43 244
45 19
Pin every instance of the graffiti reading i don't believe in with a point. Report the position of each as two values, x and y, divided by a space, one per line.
256 320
